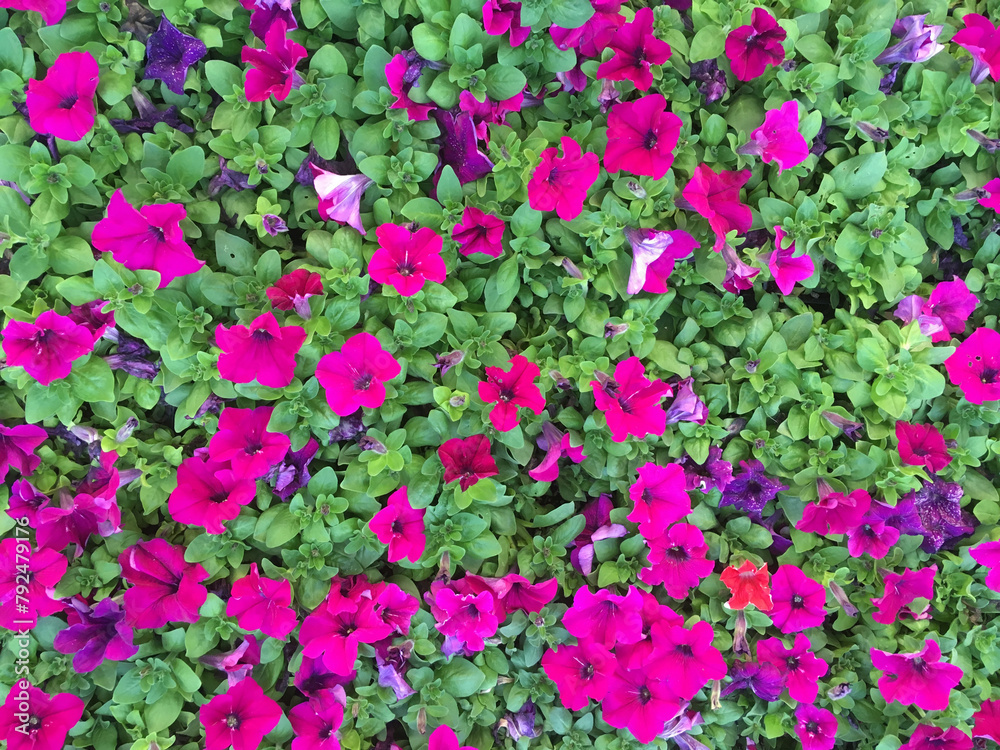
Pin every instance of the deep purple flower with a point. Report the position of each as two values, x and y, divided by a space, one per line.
228 178
520 723
349 428
763 680
292 474
902 515
918 43
852 430
686 406
715 473
751 490
711 80
938 504
961 240
169 54
264 13
133 364
889 80
445 362
818 147
273 225
460 147
149 116
102 633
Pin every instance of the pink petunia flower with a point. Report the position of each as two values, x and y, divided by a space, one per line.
47 348
560 184
340 196
244 440
654 254
239 718
659 498
799 665
406 260
150 239
945 313
605 617
337 626
642 137
748 584
25 500
816 727
752 48
975 366
31 719
922 445
988 555
835 512
717 198
981 40
486 112
402 73
444 737
640 655
263 351
479 232
501 16
640 702
598 526
787 268
93 316
580 673
468 460
798 600
62 103
986 720
165 588
468 617
293 290
556 445
516 592
739 276
686 657
17 447
778 139
872 537
901 590
45 568
636 49
926 737
51 11
263 604
678 560
591 39
920 678
400 526
510 390
272 71
355 376
316 726
631 401
75 518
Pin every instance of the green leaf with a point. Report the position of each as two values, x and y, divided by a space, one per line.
871 357
326 137
187 166
708 43
570 14
223 76
235 253
429 42
164 712
449 188
503 286
504 81
858 177
93 381
465 32
460 677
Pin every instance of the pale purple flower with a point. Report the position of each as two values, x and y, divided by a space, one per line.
686 406
340 196
238 663
918 43
273 225
763 680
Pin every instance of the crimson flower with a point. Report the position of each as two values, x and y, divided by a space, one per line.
556 444
444 737
468 460
244 440
926 737
239 718
293 290
355 376
636 49
501 16
272 70
406 260
47 348
165 588
752 48
62 103
642 137
922 445
561 183
631 401
748 584
402 73
510 390
46 721
51 11
986 721
401 527
981 40
920 678
469 617
263 351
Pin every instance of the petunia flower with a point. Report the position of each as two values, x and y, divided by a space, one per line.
944 314
239 718
751 48
51 11
406 260
678 560
99 634
62 103
778 139
762 679
556 445
25 499
799 601
316 726
816 727
18 444
918 43
939 507
169 54
314 680
639 655
922 445
150 239
400 526
654 254
402 74
902 516
560 184
511 390
340 196
272 69
715 473
919 678
716 196
975 366
595 35
335 628
265 13
355 376
46 349
520 723
800 667
711 80
871 537
244 440
444 737
605 617
926 737
659 498
641 702
479 232
631 401
901 590
787 268
165 588
598 526
739 276
74 519
636 49
44 569
469 617
835 512
751 490
263 351
981 40
94 318
748 584
460 146
487 112
516 592
31 719
686 406
468 460
501 16
293 290
686 657
642 136
987 554
986 721
262 604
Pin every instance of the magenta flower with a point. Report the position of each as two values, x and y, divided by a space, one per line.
920 678
46 721
402 74
560 184
872 537
945 313
717 198
580 673
595 35
51 11
636 49
654 254
660 498
501 16
468 460
262 604
816 727
18 444
62 103
642 137
982 41
987 554
479 232
799 665
787 268
556 445
468 617
987 720
337 626
150 239
45 568
598 526
486 112
798 600
316 725
244 440
922 445
926 737
99 634
238 663
272 69
778 139
517 592
752 48
400 526
678 559
510 390
75 519
686 657
355 376
340 196
406 259
25 499
631 401
394 606
444 737
263 351
293 290
918 43
835 512
164 588
640 702
239 718
739 276
46 349
315 681
901 590
605 617
265 13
